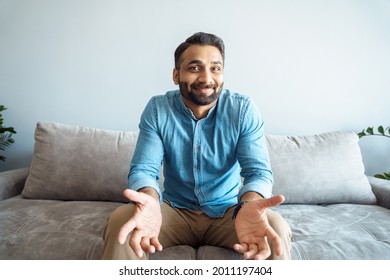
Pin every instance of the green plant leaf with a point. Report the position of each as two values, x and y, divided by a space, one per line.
5 134
379 176
369 131
362 134
6 141
385 176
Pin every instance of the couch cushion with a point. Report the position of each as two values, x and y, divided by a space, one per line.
338 231
325 168
208 252
178 252
79 163
52 229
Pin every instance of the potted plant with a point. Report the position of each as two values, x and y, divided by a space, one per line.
379 131
6 133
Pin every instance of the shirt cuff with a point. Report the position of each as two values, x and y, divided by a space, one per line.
262 188
148 183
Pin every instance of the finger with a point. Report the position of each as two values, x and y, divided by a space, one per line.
274 238
156 243
145 244
264 250
272 201
135 243
241 248
125 231
252 251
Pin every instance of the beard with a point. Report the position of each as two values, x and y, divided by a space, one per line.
189 93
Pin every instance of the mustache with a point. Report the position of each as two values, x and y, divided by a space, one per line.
203 85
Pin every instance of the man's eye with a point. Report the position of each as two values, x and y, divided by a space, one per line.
217 69
194 68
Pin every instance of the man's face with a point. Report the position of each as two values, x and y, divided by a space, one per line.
200 76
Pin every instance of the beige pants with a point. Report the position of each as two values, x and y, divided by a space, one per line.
187 227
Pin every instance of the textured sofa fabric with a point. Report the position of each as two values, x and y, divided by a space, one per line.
79 163
338 231
326 168
52 229
57 208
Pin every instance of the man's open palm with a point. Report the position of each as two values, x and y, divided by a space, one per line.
253 230
144 226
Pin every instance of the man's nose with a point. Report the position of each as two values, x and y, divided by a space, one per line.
205 77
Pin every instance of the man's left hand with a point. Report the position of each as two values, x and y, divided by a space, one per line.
253 230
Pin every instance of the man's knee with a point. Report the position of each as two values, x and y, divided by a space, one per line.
118 218
112 248
278 223
282 228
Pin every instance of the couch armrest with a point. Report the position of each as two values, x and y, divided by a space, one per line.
381 189
12 182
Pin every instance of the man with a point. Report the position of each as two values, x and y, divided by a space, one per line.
207 139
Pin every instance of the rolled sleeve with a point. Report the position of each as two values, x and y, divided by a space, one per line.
252 154
148 154
142 183
262 188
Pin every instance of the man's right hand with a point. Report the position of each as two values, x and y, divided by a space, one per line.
145 224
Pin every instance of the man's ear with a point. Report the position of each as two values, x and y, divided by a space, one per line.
175 76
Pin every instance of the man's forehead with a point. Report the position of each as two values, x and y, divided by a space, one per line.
198 61
202 54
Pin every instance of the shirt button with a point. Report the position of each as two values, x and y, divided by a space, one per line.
198 148
197 170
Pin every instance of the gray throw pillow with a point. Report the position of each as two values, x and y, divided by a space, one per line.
79 163
325 168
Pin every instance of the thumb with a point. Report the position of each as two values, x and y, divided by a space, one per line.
134 196
272 201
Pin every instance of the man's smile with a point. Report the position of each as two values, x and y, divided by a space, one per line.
204 89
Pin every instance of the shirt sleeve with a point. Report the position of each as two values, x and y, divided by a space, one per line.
148 154
252 154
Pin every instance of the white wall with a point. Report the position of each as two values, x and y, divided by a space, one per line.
311 66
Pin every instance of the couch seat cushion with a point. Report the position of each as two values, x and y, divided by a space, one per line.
49 229
179 252
338 231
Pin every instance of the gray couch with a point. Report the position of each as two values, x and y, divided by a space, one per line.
57 208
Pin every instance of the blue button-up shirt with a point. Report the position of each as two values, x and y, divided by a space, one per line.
204 159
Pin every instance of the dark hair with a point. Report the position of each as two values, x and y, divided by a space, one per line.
200 38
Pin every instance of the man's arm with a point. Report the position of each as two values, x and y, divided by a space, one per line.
144 191
252 154
148 154
255 196
250 196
